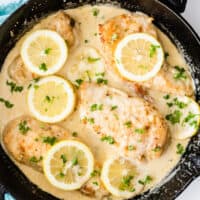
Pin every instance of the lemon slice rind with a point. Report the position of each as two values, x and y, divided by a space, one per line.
128 75
33 37
113 190
47 168
70 103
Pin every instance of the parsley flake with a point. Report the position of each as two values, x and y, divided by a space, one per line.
146 181
174 117
14 87
180 149
108 139
180 73
49 140
23 127
153 49
43 67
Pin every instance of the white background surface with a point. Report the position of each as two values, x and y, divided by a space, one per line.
192 15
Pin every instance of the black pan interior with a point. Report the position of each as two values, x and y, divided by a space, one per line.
13 181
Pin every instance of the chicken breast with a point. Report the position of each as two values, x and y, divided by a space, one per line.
132 125
115 29
28 140
61 23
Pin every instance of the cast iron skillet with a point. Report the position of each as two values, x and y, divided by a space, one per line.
14 182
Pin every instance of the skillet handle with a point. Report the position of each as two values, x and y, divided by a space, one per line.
176 5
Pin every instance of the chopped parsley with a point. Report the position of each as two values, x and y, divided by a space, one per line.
96 107
88 75
174 117
139 130
180 149
108 139
190 119
176 102
62 175
114 37
102 81
7 103
34 81
47 51
63 158
36 160
23 127
74 134
146 181
92 60
126 184
14 87
153 49
95 11
75 161
100 74
49 99
156 149
114 108
180 73
167 96
86 41
95 183
95 173
49 140
131 148
166 55
78 82
43 67
128 124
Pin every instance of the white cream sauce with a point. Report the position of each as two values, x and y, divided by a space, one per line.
157 168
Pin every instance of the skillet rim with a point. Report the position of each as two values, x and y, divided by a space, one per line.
192 156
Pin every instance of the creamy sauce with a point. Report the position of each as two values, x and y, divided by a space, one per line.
157 168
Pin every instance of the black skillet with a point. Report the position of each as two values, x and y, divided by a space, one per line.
11 178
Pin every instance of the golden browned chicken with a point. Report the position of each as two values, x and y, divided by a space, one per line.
61 23
115 29
28 140
132 125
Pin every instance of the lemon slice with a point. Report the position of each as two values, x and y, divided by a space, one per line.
86 66
120 177
44 52
52 99
139 57
183 116
68 165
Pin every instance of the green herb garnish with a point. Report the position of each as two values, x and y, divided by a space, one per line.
49 140
139 130
78 82
6 103
96 107
180 73
13 87
174 117
92 60
180 149
36 160
128 124
75 161
153 49
146 181
23 127
43 67
126 184
114 108
47 51
95 173
166 55
63 158
74 134
167 96
108 139
131 148
95 11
